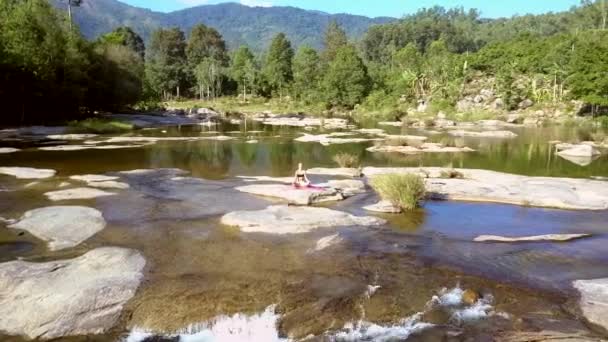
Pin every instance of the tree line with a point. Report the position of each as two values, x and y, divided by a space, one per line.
50 72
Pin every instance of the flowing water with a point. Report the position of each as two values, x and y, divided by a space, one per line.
402 281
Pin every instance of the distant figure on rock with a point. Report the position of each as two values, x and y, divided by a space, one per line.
300 178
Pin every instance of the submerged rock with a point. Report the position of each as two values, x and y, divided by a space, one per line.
548 237
77 193
27 172
491 186
62 226
383 207
594 300
327 242
101 181
298 196
281 219
72 297
68 148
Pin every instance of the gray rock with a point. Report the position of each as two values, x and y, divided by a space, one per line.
343 171
302 196
27 172
62 226
77 193
282 219
71 136
79 296
525 104
491 186
594 300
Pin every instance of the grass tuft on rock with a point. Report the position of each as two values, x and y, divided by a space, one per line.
405 191
346 160
100 126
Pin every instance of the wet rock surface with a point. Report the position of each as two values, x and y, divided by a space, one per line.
79 296
548 237
293 195
62 226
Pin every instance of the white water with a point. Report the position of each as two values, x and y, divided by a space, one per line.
263 326
237 328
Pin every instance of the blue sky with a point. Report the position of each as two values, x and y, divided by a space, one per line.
374 8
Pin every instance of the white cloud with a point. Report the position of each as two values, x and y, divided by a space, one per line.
256 3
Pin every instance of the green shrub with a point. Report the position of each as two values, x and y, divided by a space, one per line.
346 160
402 190
100 126
451 174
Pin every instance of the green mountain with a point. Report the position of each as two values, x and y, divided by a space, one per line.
254 26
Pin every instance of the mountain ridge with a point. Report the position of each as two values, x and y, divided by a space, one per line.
239 24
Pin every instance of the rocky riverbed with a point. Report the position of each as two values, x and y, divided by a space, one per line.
194 236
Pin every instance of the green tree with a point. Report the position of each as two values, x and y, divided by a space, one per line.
206 42
125 36
346 82
277 69
166 68
244 70
334 39
588 69
209 74
306 73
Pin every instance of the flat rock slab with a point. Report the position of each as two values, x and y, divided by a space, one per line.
303 196
418 138
71 136
27 172
582 150
594 300
77 193
327 139
79 296
281 219
6 150
93 178
425 148
485 134
537 238
62 226
497 187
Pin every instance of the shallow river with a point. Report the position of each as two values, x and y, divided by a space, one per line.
401 281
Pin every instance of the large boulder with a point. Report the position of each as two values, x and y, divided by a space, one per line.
281 219
73 297
297 196
581 150
594 300
62 227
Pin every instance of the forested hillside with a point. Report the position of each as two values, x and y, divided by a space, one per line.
437 60
238 24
